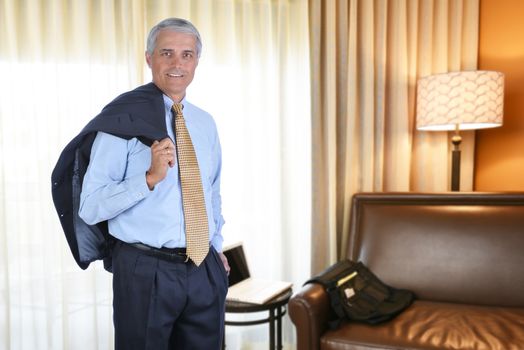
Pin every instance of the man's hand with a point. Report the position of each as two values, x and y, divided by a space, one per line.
162 157
224 261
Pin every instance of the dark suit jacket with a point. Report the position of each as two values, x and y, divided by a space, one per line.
138 113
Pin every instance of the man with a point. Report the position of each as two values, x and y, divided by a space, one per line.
165 297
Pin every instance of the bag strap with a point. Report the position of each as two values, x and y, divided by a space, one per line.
329 280
332 274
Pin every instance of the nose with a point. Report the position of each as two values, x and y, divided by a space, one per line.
176 61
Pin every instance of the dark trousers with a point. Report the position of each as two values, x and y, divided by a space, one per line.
160 304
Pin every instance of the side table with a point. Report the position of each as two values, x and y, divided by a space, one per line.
276 308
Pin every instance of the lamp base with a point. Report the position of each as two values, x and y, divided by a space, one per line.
455 160
455 170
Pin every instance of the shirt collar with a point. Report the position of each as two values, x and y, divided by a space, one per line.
168 102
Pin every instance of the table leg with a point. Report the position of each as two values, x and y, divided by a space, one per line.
279 328
272 329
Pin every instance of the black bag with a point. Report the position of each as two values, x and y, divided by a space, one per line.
356 294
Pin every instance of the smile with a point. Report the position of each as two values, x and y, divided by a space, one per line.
173 75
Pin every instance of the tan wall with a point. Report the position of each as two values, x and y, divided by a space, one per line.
499 153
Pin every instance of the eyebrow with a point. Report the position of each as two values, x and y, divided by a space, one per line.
171 50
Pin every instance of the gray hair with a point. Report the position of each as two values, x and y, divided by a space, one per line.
177 25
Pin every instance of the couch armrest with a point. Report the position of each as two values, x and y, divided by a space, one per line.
309 310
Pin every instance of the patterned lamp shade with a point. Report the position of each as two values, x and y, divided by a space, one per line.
469 100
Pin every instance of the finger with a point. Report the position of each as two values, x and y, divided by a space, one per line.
156 145
170 158
166 143
167 152
163 143
164 149
170 149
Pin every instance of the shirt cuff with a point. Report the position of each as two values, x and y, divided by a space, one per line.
216 242
137 186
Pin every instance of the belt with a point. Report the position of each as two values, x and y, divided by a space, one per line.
170 254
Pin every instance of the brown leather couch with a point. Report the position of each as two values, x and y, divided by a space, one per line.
461 253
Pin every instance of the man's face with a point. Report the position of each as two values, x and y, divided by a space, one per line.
173 62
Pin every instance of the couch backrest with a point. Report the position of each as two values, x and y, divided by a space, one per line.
463 247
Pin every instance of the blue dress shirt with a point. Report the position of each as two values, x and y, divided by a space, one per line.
115 188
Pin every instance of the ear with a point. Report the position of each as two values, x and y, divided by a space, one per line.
148 59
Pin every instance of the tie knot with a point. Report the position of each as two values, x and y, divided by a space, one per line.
177 108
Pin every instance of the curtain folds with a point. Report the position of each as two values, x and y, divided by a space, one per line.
366 57
61 61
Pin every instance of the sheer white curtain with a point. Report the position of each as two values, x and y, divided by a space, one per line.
257 55
61 61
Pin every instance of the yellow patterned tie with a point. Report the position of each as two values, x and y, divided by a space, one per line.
195 215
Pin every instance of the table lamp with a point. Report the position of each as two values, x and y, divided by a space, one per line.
460 101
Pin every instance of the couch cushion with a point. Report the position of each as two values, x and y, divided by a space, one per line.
433 325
